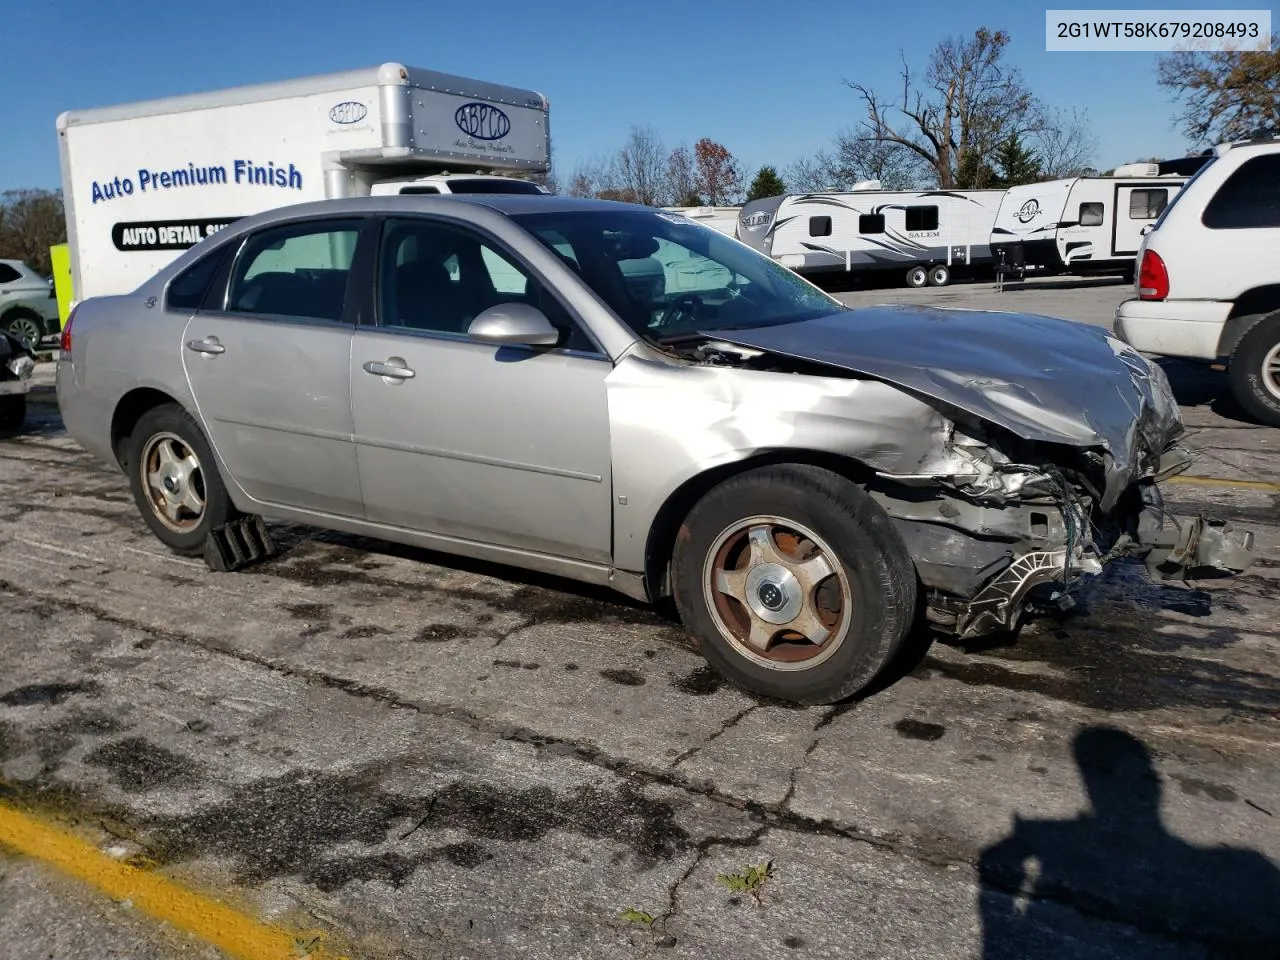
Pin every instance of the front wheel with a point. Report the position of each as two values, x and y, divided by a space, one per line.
940 276
917 277
795 583
1254 371
174 480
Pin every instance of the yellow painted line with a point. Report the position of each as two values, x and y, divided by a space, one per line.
1215 482
232 932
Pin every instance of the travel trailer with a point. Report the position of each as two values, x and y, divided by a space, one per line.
923 235
144 181
1082 224
724 219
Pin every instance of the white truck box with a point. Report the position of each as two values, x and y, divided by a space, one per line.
143 181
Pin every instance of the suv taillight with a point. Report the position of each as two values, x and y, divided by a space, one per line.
1153 278
65 344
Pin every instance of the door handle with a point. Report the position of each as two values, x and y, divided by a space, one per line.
209 346
392 369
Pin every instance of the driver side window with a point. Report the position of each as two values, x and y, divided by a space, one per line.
437 277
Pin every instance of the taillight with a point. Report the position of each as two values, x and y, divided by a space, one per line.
65 344
1153 278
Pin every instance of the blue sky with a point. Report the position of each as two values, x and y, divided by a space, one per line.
764 78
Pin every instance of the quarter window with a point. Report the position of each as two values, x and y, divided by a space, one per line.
871 223
437 278
299 270
1250 197
8 274
819 226
1147 204
1090 214
922 218
187 290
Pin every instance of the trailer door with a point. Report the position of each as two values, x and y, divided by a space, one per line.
1136 206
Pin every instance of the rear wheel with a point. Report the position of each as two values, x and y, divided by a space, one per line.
175 483
1254 371
26 326
795 583
939 276
917 277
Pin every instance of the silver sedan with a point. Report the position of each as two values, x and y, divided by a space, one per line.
622 396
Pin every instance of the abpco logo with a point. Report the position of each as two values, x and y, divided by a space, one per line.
350 111
1028 211
483 121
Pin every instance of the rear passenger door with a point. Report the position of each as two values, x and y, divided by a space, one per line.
267 359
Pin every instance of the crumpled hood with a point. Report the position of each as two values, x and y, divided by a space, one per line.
1042 378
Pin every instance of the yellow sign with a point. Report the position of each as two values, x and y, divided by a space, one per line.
61 257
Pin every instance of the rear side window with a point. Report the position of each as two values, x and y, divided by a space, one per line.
1090 214
819 226
8 274
187 290
299 270
871 223
922 218
1147 204
1250 197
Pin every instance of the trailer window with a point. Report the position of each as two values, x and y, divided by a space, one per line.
1250 197
871 223
1090 214
922 218
819 226
1147 204
298 270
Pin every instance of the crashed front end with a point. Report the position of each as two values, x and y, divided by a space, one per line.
1054 439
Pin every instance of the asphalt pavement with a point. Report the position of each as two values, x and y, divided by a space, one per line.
365 750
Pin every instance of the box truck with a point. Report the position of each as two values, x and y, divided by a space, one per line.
144 181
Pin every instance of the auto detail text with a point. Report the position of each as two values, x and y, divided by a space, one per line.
165 234
1157 30
242 172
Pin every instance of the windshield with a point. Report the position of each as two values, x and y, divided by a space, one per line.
668 277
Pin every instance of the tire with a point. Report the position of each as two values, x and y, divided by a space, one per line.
26 326
1254 371
13 413
870 572
917 277
170 427
939 275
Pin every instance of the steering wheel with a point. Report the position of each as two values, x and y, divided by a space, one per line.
686 304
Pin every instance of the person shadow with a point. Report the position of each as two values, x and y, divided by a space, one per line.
1050 886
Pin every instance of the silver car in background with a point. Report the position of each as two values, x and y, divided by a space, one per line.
622 396
28 303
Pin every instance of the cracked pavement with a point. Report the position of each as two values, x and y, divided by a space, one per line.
429 757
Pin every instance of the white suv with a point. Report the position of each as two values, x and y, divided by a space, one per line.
28 304
1208 284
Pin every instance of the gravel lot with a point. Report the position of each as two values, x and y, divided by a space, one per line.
425 757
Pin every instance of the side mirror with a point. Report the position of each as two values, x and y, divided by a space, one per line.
514 323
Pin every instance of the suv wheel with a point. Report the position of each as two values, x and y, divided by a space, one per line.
25 326
1254 371
795 583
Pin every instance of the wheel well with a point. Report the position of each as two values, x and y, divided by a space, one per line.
20 312
671 515
1248 309
128 411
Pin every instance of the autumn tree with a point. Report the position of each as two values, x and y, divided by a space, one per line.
31 221
1224 94
967 103
767 183
717 177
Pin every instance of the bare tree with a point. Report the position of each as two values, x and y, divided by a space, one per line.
31 221
970 102
591 177
719 180
642 166
853 158
1225 94
681 185
1064 143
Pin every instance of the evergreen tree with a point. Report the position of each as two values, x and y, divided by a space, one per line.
767 183
1016 164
